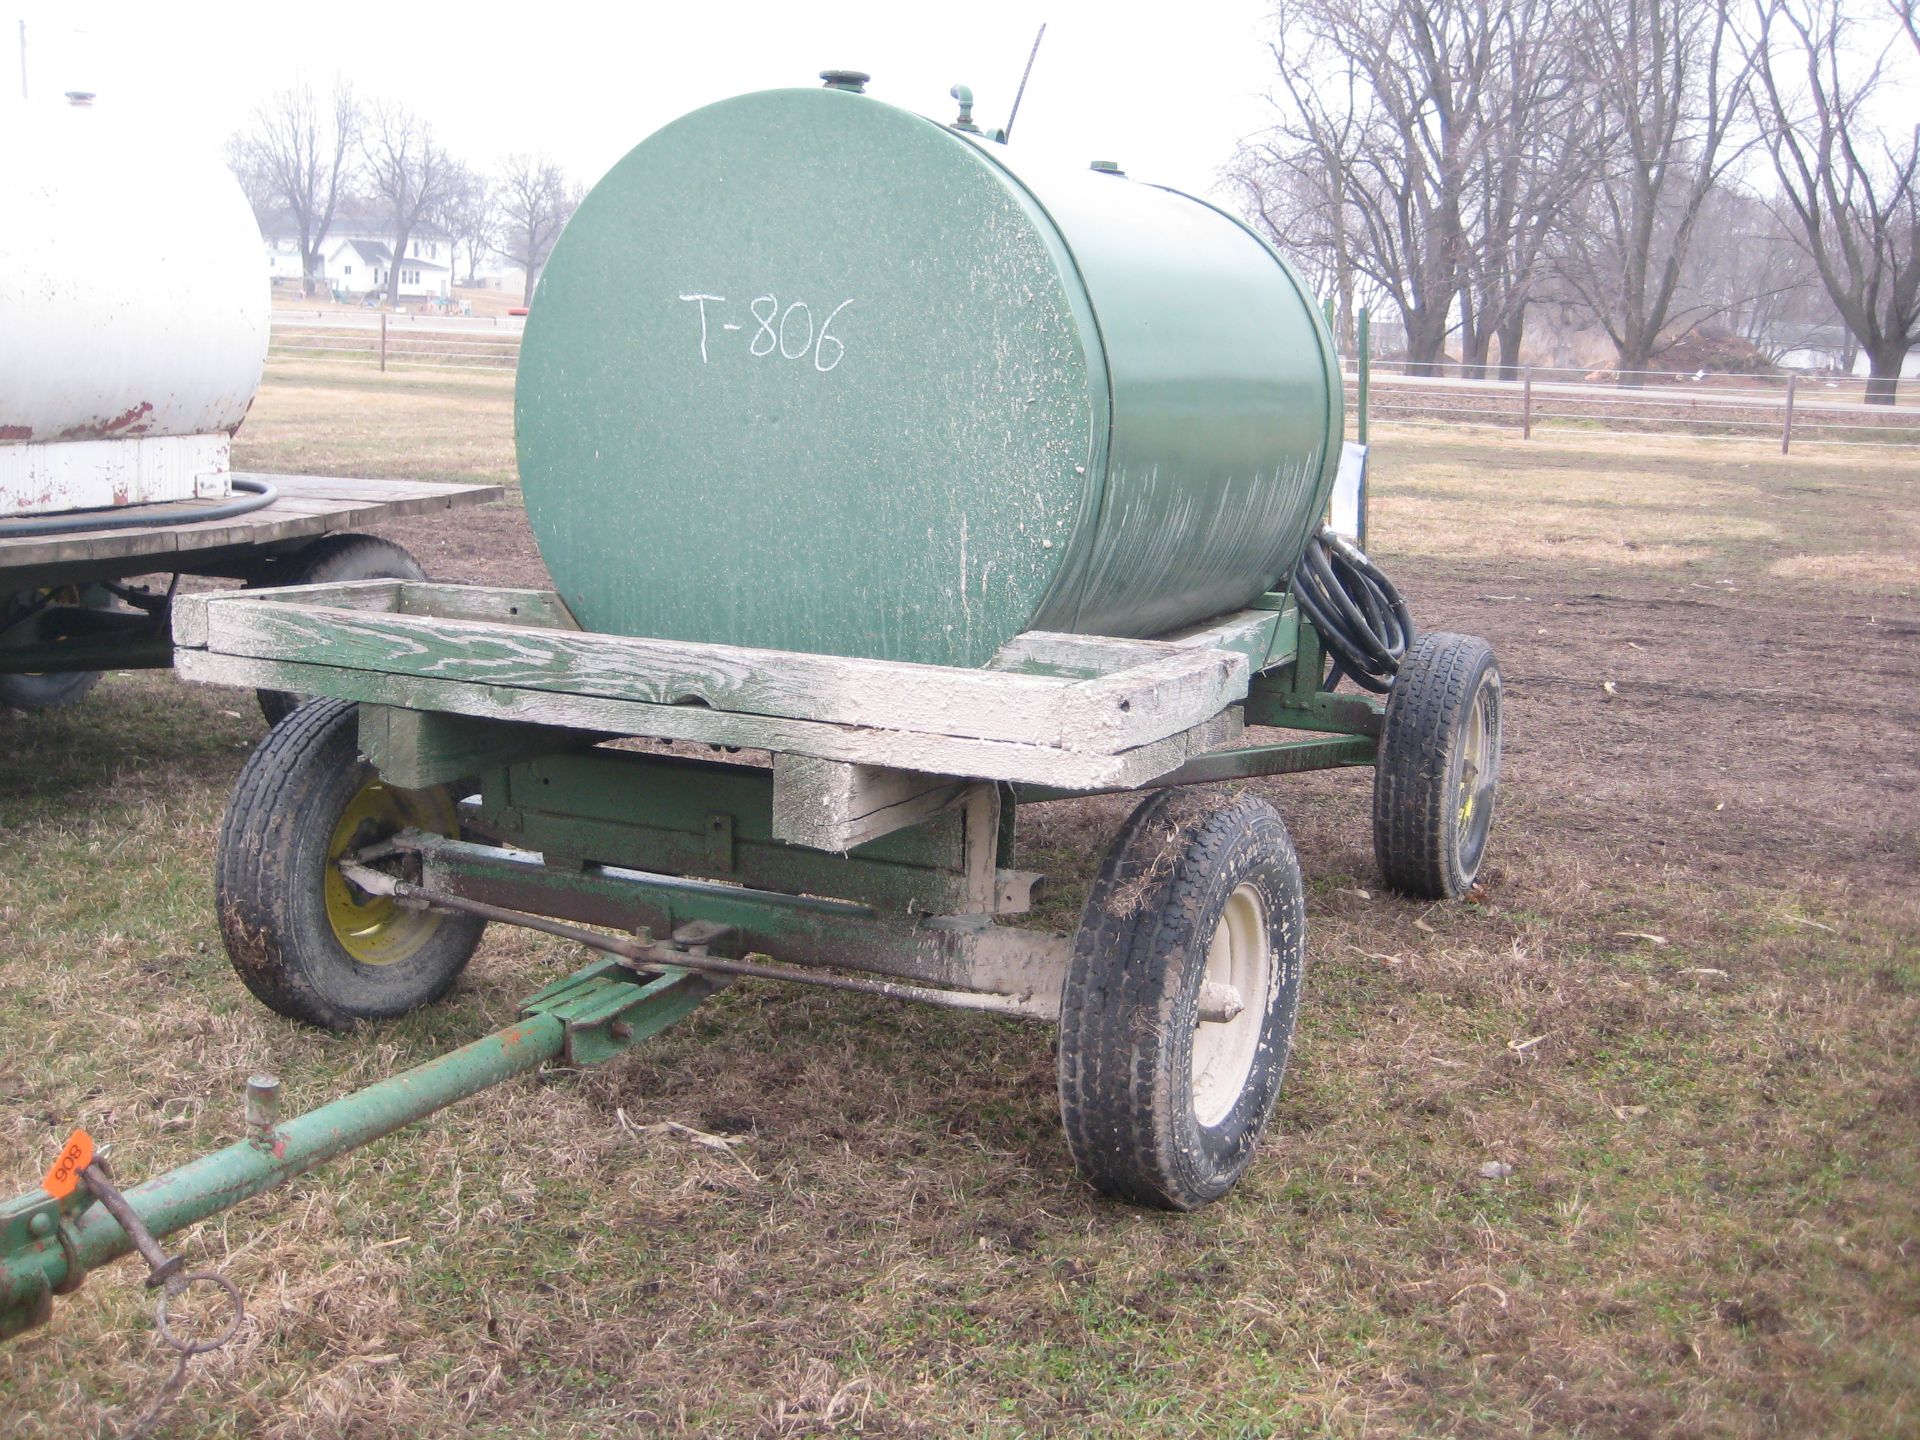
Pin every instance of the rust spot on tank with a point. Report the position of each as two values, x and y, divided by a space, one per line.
16 432
129 422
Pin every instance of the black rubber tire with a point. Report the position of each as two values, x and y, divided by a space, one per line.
1130 1005
1422 843
331 560
32 693
270 877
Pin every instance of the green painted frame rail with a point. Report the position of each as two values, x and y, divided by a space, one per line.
47 1246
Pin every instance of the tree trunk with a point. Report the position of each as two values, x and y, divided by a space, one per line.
1883 371
1474 356
1630 364
393 270
526 296
1510 334
1426 342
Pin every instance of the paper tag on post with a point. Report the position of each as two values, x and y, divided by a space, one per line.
74 1157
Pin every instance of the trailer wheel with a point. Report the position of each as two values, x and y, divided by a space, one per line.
46 692
306 942
1162 1107
332 560
1439 767
51 690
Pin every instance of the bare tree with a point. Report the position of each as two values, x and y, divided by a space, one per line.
296 159
535 204
409 172
1852 190
1540 133
471 217
1442 139
1745 267
1381 96
1671 79
1291 198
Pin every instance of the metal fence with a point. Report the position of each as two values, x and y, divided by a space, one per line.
399 342
1792 409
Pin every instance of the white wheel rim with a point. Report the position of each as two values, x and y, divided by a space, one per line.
1240 955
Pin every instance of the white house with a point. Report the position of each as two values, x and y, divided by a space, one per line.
356 255
361 267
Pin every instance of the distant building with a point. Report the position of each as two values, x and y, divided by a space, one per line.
356 255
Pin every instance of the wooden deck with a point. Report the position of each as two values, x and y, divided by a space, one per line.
1078 712
306 506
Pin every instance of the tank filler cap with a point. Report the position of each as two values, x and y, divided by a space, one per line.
853 81
1107 167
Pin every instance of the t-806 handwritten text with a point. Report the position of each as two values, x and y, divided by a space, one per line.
788 332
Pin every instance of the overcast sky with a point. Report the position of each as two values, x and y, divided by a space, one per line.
1165 90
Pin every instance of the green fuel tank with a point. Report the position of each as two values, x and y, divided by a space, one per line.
810 372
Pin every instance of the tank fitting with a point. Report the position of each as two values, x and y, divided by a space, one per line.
964 94
854 81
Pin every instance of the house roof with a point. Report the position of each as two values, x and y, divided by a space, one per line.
350 219
374 252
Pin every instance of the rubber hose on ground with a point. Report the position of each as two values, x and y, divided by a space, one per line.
1360 616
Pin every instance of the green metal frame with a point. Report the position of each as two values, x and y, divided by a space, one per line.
87 636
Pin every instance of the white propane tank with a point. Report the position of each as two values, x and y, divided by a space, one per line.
133 313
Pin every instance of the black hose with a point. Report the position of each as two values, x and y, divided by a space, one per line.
1360 616
259 493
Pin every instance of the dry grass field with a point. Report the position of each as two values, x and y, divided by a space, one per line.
1686 1013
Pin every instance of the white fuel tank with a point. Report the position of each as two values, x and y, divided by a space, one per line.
133 313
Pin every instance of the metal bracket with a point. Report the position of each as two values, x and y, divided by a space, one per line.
609 1005
36 1221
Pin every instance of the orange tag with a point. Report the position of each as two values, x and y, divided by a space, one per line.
75 1156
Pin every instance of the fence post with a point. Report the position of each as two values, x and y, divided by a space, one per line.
1526 402
383 342
1786 426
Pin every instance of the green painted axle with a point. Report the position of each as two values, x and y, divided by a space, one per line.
587 1017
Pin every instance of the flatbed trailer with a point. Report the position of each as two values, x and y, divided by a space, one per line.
67 612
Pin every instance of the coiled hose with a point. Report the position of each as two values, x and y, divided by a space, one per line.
1360 616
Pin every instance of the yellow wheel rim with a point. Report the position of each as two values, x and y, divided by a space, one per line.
376 929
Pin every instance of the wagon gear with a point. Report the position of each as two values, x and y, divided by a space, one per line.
999 549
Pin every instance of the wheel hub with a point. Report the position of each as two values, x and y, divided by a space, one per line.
376 929
1240 955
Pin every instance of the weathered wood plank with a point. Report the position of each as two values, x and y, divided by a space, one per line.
904 750
1179 687
1148 702
833 805
540 609
1247 632
417 748
750 682
1053 652
306 506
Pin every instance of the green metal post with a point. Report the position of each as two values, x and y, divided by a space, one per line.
1363 364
